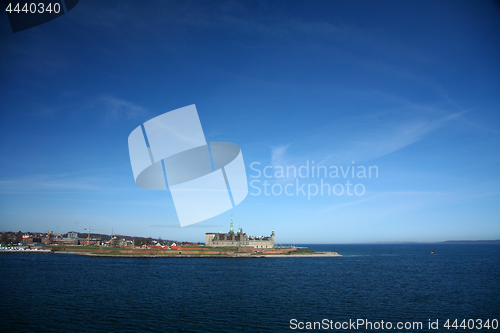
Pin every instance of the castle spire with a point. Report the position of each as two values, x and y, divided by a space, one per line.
231 229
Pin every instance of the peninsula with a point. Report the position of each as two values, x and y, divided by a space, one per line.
217 245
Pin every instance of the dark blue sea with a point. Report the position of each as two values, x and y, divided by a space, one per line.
373 283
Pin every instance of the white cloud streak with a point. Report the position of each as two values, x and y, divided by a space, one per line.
116 108
54 183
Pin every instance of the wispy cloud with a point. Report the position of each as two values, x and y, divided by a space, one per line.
78 105
197 226
278 154
381 205
351 203
54 183
364 137
116 108
394 136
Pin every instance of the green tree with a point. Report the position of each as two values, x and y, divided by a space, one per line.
19 237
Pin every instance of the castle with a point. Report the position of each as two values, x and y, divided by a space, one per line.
239 239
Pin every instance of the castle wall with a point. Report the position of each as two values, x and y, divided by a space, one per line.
208 239
213 239
262 244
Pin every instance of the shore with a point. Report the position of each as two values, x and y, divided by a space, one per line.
228 255
184 252
317 254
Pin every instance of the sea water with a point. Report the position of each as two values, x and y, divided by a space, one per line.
403 283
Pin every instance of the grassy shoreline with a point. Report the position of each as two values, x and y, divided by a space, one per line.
202 252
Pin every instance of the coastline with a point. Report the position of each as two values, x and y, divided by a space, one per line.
232 255
318 254
178 253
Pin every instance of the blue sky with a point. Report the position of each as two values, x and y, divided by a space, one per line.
412 88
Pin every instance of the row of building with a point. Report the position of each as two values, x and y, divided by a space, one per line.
36 238
73 238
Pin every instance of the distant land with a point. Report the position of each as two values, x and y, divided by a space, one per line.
444 242
473 241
